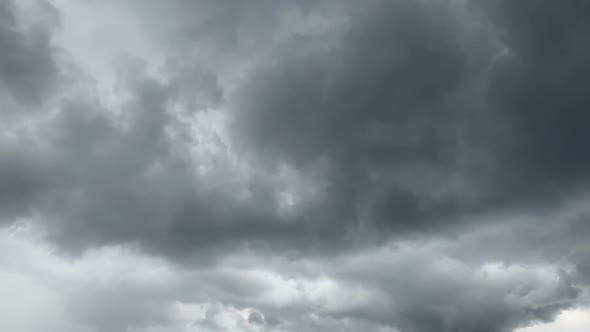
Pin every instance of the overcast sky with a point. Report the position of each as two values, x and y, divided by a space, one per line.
294 165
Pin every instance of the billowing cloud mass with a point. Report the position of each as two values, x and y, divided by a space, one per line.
258 166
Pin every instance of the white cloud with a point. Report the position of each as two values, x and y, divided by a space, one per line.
577 320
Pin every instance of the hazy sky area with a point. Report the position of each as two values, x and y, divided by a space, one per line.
294 165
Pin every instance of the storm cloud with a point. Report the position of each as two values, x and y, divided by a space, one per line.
404 165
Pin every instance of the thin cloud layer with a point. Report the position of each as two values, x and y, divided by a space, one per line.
404 166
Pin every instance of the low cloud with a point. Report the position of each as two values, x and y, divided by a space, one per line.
403 166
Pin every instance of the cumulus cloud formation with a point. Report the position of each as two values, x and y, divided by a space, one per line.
401 166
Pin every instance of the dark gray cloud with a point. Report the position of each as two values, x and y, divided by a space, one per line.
28 73
125 179
28 68
538 86
22 183
390 108
255 318
424 116
334 166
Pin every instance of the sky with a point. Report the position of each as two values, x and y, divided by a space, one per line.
294 166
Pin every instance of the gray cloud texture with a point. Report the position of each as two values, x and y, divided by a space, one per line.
406 166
